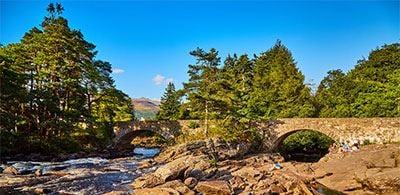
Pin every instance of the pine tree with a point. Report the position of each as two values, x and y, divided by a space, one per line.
170 104
202 88
278 89
60 90
13 98
236 78
331 95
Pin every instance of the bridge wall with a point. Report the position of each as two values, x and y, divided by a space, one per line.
377 130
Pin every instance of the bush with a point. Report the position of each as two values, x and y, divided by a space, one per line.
306 142
367 142
7 141
158 139
193 125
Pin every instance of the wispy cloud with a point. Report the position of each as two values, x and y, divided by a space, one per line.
160 79
117 70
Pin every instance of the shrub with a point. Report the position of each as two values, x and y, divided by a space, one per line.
193 125
306 142
367 142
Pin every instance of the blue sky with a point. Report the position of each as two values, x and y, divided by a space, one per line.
148 42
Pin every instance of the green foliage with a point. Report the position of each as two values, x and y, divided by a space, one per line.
270 86
213 162
371 89
245 89
193 125
279 90
367 142
203 88
305 142
54 91
147 115
170 104
159 139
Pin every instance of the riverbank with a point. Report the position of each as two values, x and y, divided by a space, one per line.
110 152
211 166
374 169
188 169
39 157
216 167
93 175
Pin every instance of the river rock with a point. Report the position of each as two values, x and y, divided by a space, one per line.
214 187
39 172
276 189
147 163
146 181
372 168
215 147
153 191
185 166
117 193
178 186
382 179
237 184
190 182
249 174
201 169
180 150
11 170
301 188
42 191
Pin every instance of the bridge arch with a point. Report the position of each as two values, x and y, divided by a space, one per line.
167 129
281 137
126 140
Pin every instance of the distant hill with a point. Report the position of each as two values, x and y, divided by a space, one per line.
145 107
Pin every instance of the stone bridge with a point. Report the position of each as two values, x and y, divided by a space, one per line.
377 130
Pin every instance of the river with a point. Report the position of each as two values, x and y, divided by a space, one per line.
78 176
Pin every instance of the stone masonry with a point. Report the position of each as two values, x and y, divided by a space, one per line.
376 130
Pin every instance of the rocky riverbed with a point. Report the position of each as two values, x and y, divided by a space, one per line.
93 175
214 167
211 167
375 169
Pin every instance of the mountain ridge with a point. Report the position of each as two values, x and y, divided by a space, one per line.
145 107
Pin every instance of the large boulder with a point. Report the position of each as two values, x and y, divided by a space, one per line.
158 191
178 186
249 174
373 168
220 187
146 181
181 168
190 182
215 147
11 170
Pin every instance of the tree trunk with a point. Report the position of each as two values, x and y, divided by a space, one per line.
206 120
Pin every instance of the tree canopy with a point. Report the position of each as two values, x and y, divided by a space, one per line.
54 90
270 85
371 89
170 104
